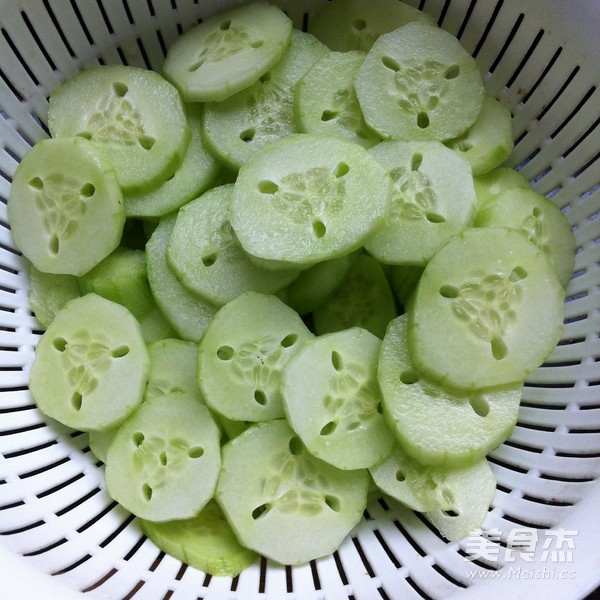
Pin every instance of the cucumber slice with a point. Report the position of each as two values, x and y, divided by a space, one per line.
417 82
227 52
363 299
205 542
91 365
497 181
325 102
436 426
100 441
122 278
539 219
489 141
315 285
432 200
346 25
188 314
173 366
332 400
294 507
501 311
409 482
242 354
469 492
164 460
65 207
308 198
236 128
197 173
48 294
134 117
206 256
403 281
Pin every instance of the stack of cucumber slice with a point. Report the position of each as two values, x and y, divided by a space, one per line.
288 271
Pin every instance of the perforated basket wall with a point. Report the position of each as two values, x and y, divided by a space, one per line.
56 519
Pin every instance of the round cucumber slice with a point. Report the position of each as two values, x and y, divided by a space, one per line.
135 118
242 354
237 127
417 82
188 314
206 257
363 299
314 285
434 425
417 486
346 25
332 400
496 298
497 181
433 199
197 173
227 52
489 141
65 206
469 492
307 198
49 292
539 219
325 102
91 365
283 502
164 460
173 365
205 542
100 441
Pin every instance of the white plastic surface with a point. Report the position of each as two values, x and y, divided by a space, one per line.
60 534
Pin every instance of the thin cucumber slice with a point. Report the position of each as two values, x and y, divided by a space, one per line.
100 441
294 507
308 198
315 285
363 299
188 314
242 355
206 257
65 207
434 425
409 482
489 141
539 219
173 365
205 542
433 199
197 173
133 116
48 294
236 128
403 281
417 82
122 277
325 102
346 25
497 181
469 492
500 311
91 365
227 52
164 460
332 400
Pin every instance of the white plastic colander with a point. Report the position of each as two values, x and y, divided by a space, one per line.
61 536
